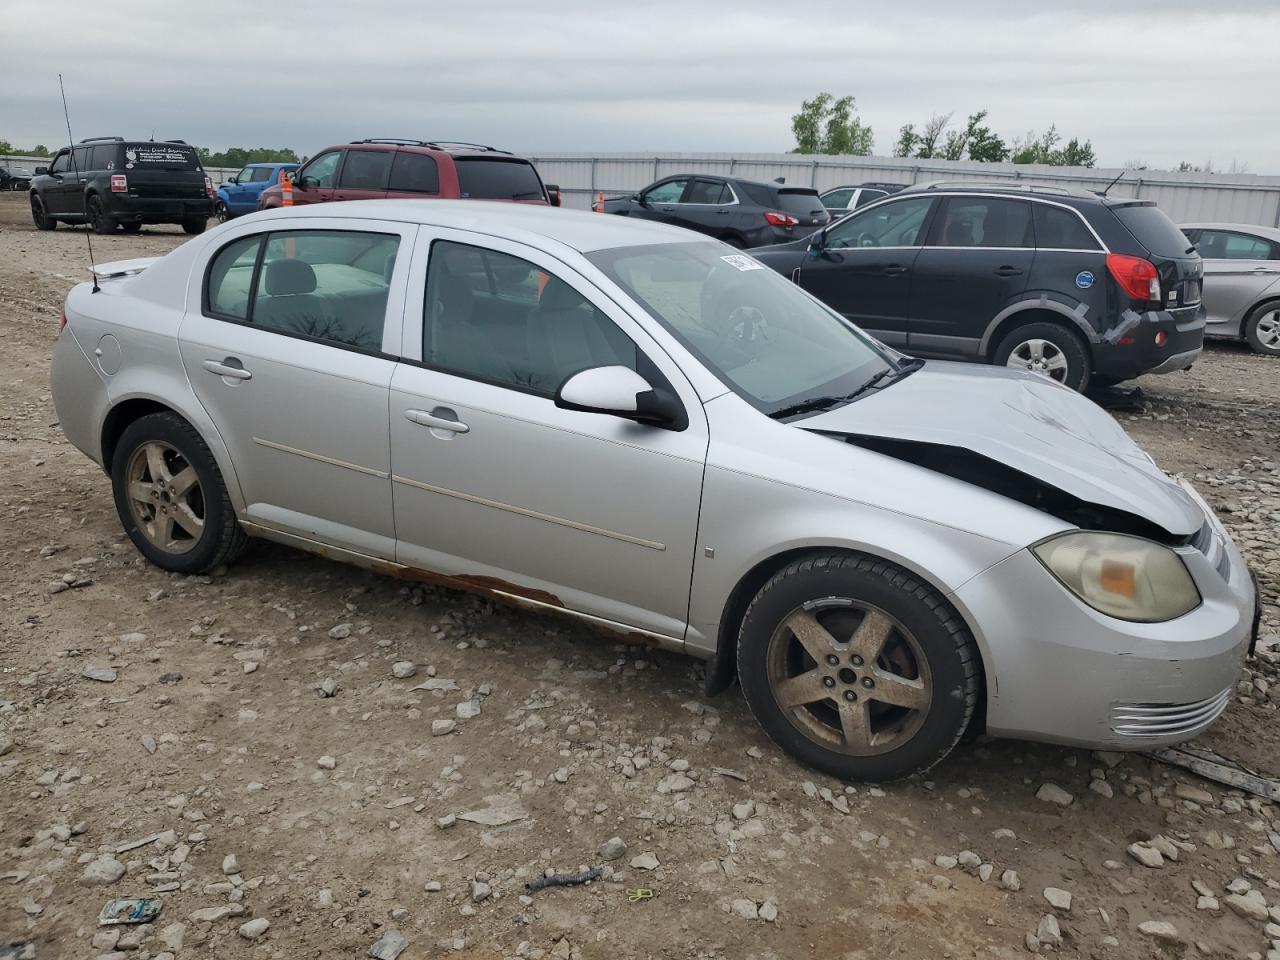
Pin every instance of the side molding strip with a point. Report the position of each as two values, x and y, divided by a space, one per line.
271 444
561 521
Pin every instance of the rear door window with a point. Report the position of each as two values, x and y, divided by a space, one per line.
414 173
488 178
366 170
870 196
80 161
837 199
1058 228
1151 228
708 192
984 222
1228 245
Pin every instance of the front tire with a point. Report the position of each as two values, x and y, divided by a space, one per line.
131 227
195 224
39 216
856 668
1262 330
1047 349
220 212
171 498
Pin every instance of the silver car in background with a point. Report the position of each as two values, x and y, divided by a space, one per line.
624 423
1241 282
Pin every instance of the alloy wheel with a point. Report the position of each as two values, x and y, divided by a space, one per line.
1040 356
849 677
1268 330
165 497
220 212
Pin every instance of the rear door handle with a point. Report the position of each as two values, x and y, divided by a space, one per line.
1008 271
436 423
229 367
895 270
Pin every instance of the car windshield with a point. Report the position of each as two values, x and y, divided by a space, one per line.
770 342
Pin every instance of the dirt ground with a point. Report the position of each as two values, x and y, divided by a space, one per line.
338 813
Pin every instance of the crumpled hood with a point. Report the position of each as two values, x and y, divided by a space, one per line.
1027 423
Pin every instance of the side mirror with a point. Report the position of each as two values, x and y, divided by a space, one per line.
639 198
41 171
620 392
231 180
302 183
817 243
553 193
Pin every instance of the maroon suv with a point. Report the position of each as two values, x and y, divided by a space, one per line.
414 169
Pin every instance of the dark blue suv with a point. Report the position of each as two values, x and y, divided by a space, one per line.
1077 286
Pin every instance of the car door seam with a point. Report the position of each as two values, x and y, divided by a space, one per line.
533 514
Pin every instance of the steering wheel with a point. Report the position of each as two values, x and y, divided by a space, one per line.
867 240
746 324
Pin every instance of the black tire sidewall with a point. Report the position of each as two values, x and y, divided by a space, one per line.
103 222
134 227
195 225
950 710
1077 354
1251 330
176 432
42 219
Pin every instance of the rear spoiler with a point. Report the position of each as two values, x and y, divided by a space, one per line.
119 269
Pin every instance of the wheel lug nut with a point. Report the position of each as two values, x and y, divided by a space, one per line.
868 682
857 660
832 659
828 682
850 696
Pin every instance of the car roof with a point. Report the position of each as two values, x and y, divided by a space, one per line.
1271 233
580 230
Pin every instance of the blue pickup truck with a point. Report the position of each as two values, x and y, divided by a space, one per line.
240 194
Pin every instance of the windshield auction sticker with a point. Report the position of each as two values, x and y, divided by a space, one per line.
742 262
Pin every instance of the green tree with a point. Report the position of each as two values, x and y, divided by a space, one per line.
239 156
6 147
830 126
929 144
908 140
39 150
1075 154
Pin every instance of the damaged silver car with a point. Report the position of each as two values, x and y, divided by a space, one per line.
623 423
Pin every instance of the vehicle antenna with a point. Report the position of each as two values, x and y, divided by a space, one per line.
75 168
1113 182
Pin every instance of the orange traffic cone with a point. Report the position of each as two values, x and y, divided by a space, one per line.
286 189
598 206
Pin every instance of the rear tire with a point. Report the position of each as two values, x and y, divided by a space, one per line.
133 227
39 216
1262 330
734 241
195 224
856 668
171 498
99 220
1048 349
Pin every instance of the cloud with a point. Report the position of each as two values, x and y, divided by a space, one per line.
1156 81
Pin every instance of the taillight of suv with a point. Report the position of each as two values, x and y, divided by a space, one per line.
208 187
777 219
119 183
1136 277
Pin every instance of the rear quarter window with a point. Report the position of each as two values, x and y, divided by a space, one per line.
1155 231
485 178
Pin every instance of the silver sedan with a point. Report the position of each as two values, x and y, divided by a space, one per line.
1241 282
622 423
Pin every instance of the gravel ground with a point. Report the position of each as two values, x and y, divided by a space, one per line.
168 736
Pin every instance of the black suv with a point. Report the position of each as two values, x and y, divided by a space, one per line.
742 213
110 182
1072 284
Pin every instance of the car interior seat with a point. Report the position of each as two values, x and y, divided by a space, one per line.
567 334
290 303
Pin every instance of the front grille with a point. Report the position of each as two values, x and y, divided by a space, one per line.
1167 719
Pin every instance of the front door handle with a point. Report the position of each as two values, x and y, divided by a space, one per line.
1008 271
894 270
230 367
436 423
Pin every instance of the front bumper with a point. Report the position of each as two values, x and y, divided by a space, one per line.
1061 672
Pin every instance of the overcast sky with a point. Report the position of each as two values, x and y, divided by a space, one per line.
1145 81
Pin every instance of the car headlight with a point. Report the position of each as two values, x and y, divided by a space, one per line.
1124 577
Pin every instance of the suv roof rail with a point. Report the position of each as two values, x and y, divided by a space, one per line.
183 142
397 140
444 144
100 139
1015 187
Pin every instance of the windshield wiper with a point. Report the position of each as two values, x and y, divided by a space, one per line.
823 403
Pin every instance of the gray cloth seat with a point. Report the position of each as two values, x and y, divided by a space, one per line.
291 303
566 334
